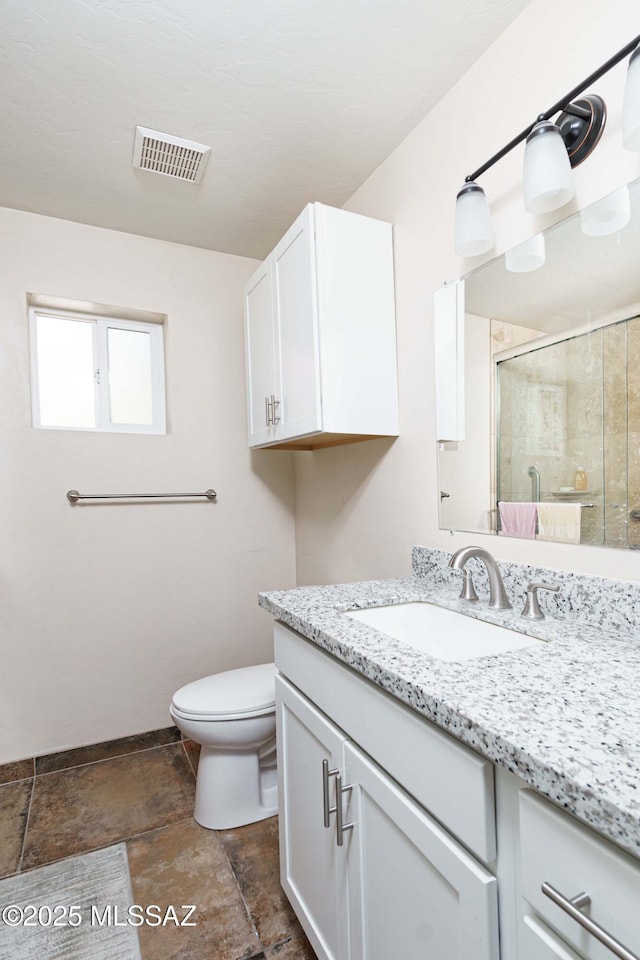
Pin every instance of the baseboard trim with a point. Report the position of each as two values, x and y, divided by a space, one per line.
106 750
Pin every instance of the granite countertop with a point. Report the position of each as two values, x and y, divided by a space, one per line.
562 715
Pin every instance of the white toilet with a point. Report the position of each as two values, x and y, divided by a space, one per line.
233 716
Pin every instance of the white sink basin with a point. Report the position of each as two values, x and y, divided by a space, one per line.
441 633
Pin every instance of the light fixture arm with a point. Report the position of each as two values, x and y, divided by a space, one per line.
574 109
564 105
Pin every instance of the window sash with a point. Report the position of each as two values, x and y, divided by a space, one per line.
100 327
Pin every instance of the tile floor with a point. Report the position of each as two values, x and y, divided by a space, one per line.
136 791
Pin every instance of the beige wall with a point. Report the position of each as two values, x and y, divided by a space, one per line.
105 610
360 508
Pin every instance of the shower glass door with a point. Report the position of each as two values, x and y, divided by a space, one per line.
569 406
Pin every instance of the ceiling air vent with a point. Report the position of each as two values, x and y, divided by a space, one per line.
172 156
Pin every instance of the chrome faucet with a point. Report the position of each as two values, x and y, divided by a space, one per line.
497 594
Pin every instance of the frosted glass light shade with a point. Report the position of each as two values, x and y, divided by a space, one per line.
631 104
473 230
527 256
547 177
608 215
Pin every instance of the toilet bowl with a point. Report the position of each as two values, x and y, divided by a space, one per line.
232 715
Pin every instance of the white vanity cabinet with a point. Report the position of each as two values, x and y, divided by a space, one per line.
369 871
399 840
320 341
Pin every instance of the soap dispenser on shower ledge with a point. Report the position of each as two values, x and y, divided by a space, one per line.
580 479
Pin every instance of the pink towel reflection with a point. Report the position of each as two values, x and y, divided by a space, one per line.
518 520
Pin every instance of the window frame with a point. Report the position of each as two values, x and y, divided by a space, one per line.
101 325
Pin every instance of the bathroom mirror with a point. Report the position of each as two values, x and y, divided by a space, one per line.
552 386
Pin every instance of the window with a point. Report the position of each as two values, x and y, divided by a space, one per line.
96 373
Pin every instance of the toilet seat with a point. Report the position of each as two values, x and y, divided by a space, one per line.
237 694
219 717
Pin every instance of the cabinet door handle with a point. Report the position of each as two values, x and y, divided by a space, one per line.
572 907
274 405
341 826
267 411
326 809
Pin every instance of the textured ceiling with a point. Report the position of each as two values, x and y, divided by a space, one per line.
299 99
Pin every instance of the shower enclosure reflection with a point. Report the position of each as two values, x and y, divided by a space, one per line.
569 429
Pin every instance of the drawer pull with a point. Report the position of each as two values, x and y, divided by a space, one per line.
572 907
341 826
326 809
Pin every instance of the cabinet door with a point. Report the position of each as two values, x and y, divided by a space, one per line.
296 313
260 354
312 866
414 891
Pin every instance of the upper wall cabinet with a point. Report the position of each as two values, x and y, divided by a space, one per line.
320 334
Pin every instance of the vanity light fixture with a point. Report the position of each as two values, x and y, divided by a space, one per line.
474 233
547 181
552 149
631 106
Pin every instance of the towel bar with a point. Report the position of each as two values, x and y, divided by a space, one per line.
73 496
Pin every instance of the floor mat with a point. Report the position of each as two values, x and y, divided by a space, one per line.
71 910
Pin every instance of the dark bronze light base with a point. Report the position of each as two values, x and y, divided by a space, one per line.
582 131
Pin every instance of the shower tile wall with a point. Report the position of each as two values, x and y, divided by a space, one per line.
503 336
536 423
576 404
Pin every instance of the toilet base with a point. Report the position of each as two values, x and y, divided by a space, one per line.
233 789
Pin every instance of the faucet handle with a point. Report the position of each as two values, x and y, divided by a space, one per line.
468 591
532 609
